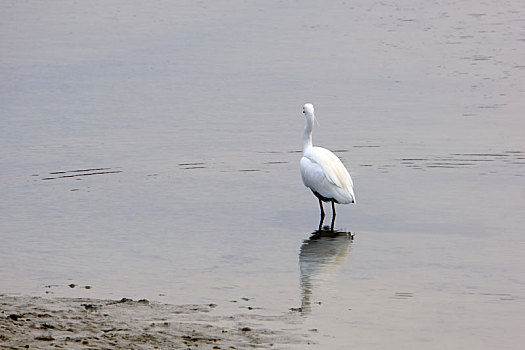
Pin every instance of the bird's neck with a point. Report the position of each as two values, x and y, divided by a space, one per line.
307 135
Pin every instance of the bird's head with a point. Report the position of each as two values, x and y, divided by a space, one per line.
308 109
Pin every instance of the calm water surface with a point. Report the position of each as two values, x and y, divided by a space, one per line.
154 151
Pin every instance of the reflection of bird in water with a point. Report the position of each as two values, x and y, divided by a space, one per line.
320 257
322 172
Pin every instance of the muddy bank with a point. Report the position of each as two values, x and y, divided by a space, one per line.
80 323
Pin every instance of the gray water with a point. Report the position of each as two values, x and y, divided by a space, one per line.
152 150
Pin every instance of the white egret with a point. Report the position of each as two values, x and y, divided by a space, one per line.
324 173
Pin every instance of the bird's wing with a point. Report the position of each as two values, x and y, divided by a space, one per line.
321 181
312 174
333 168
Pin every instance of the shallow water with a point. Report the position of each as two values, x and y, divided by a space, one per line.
153 152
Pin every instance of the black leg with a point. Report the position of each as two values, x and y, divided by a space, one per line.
322 215
333 216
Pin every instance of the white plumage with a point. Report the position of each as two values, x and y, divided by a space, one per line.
322 172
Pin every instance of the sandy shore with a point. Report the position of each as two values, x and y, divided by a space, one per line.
79 323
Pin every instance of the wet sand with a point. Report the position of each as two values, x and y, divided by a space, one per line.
83 323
